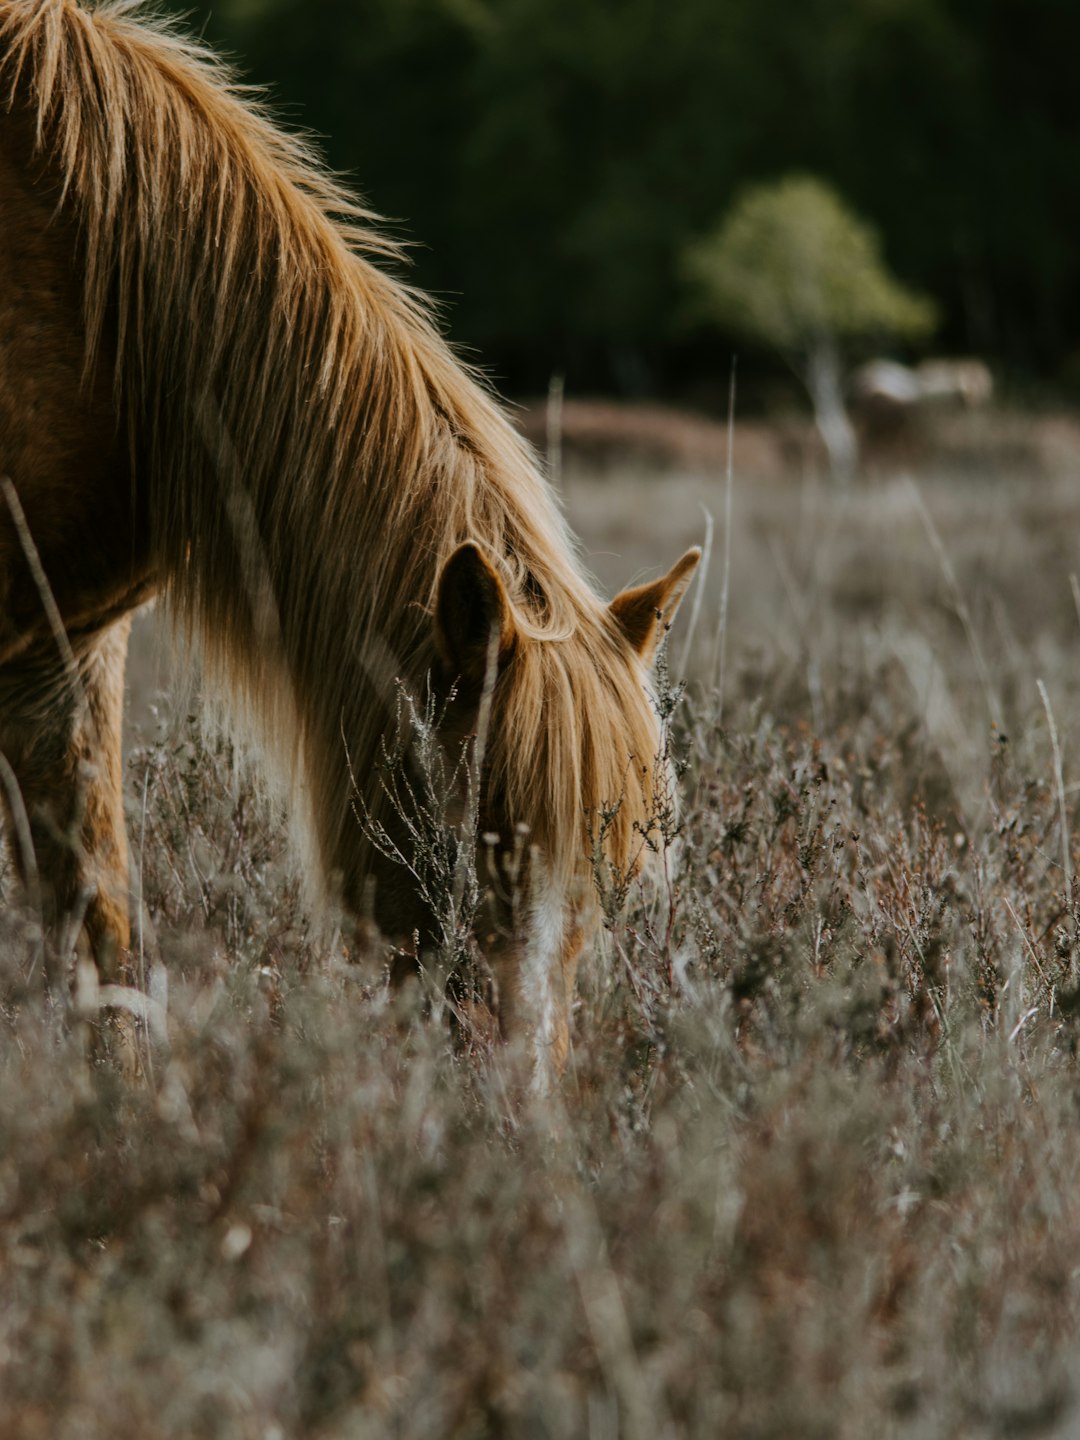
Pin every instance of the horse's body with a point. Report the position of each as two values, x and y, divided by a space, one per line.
208 390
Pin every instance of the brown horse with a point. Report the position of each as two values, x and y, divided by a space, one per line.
209 390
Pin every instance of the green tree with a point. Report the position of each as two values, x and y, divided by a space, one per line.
551 158
793 268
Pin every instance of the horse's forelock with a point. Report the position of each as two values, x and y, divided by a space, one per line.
574 754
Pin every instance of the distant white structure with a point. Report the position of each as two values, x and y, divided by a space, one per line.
887 383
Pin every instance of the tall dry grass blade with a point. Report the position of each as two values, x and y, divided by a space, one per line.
465 868
78 693
254 566
41 582
719 665
800 610
699 589
20 824
1026 938
643 1415
141 1006
553 430
605 1316
1066 838
140 911
960 604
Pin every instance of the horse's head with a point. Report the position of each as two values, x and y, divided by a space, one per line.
574 789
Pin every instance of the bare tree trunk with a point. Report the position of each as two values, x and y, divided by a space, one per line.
824 382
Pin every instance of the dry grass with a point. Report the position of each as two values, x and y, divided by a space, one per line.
815 1169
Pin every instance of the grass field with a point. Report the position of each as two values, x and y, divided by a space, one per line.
815 1167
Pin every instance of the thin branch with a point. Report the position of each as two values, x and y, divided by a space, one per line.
41 581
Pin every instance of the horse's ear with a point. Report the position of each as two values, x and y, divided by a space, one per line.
471 607
645 612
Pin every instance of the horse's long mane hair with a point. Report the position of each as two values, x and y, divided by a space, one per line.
310 448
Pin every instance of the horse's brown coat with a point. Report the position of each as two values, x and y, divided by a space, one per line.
209 389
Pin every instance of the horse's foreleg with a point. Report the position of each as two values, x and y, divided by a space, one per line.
61 734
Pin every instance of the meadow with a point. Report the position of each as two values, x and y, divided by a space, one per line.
814 1169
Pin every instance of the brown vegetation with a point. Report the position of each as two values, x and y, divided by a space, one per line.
814 1169
605 433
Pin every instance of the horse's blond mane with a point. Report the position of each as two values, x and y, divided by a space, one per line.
313 450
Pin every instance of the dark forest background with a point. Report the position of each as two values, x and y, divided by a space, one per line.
552 159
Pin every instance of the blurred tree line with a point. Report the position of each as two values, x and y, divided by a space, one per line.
553 159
